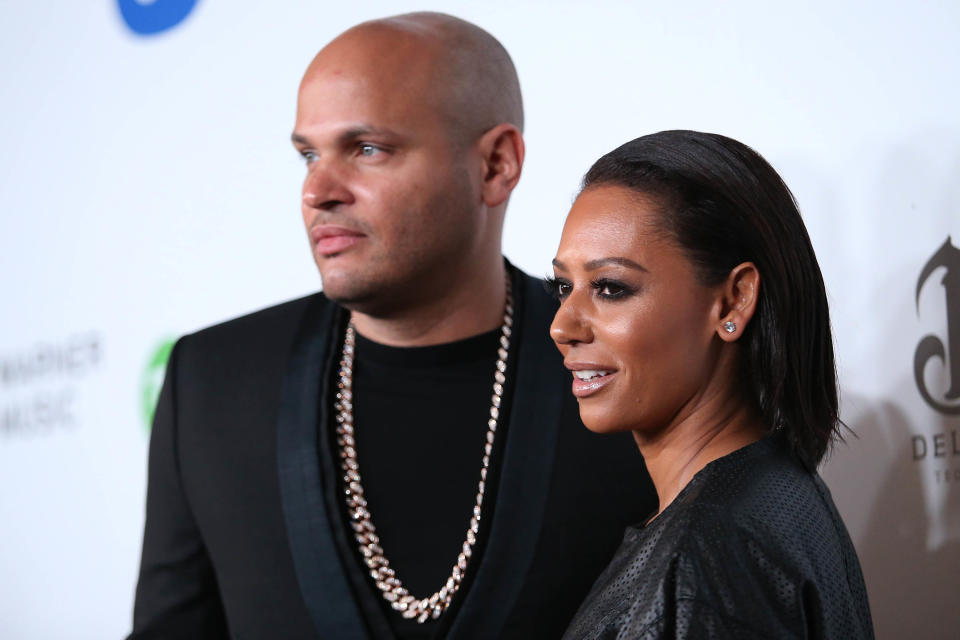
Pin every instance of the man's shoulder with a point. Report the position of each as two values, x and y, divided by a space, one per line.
282 317
538 307
256 336
535 288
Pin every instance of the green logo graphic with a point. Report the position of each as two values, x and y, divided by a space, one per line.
152 379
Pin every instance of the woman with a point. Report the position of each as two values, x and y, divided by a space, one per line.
693 314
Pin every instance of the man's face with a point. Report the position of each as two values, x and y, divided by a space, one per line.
389 200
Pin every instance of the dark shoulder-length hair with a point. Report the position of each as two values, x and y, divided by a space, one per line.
723 204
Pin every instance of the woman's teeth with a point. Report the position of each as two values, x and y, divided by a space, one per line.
587 374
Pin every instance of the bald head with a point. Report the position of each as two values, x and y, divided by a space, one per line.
410 130
453 67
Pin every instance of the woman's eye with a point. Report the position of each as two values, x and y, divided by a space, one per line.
559 289
611 289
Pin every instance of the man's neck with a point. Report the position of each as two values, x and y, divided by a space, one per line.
468 309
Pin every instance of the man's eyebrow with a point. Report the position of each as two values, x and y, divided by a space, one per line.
348 135
298 139
364 130
593 265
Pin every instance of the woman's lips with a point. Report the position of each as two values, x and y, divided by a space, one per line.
587 382
330 240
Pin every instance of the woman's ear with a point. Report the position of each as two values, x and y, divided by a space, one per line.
740 293
502 150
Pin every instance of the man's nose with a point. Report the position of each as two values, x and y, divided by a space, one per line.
326 186
569 325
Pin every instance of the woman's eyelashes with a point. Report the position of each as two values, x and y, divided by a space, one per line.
605 288
611 289
557 287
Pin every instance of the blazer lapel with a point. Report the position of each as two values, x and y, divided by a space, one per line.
323 583
527 469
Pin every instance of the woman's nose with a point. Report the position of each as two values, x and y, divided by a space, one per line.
569 325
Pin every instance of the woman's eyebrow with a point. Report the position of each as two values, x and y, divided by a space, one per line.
619 261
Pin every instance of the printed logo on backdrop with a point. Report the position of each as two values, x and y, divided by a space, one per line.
40 385
150 17
936 362
151 380
946 348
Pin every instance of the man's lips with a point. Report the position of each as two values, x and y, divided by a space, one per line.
589 378
331 239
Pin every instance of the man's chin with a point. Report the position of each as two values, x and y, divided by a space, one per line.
345 296
370 291
349 290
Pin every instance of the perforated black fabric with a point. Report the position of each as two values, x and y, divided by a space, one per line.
753 547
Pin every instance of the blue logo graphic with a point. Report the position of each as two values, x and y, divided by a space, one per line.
147 17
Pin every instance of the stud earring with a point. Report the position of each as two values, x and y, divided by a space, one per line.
729 326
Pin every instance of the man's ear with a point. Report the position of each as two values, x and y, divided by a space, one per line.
740 293
502 152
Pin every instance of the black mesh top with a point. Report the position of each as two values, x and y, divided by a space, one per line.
752 547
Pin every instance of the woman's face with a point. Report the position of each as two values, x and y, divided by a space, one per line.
634 326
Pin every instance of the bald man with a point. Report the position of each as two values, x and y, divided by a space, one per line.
398 456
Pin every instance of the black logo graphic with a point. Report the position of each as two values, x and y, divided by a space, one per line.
932 346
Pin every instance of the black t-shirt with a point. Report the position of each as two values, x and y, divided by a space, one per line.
420 420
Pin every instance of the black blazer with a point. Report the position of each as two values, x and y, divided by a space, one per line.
238 539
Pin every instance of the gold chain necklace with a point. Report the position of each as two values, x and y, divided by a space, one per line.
383 575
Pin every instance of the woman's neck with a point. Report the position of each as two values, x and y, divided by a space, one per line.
675 454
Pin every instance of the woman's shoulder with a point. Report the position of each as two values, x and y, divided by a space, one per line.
762 482
763 523
761 511
754 528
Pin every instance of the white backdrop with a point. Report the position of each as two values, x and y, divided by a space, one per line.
148 188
